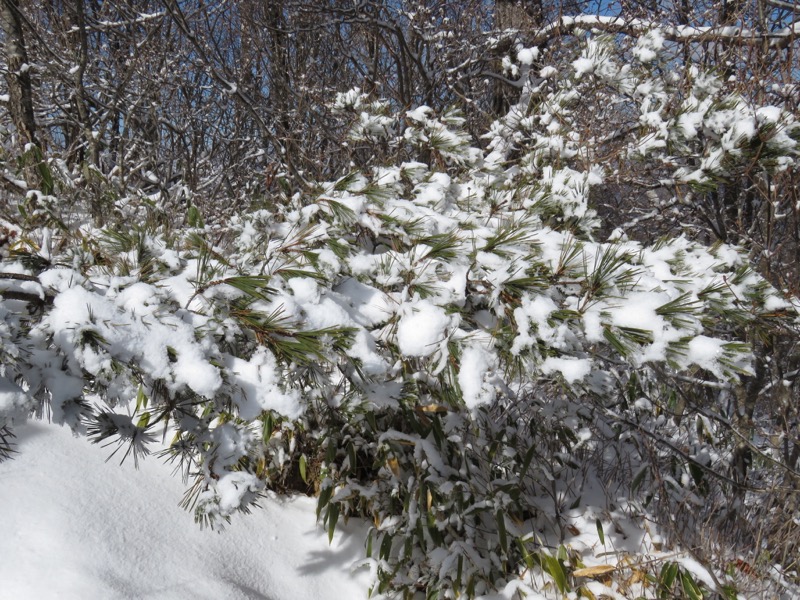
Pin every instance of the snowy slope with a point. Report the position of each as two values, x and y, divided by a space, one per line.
75 526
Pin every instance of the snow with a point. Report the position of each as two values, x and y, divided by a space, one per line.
704 352
689 123
422 328
350 100
547 72
77 527
13 400
258 382
582 66
769 114
122 325
419 114
537 312
305 289
572 369
649 45
526 56
476 362
640 312
370 305
431 269
698 571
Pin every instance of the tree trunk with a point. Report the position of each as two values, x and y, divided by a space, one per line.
81 47
511 16
18 77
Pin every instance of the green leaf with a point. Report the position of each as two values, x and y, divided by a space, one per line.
527 462
344 214
352 458
330 452
6 443
252 285
344 183
269 426
697 473
333 518
615 342
639 478
600 533
442 246
386 547
193 218
370 418
141 399
47 178
680 309
303 468
459 572
510 234
636 335
690 587
561 555
553 566
729 592
530 559
172 354
324 496
501 530
287 274
143 421
666 579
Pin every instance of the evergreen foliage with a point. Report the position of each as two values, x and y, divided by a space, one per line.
443 343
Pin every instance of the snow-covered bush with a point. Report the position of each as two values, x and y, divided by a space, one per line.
442 345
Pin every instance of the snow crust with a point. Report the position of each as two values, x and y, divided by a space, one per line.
76 527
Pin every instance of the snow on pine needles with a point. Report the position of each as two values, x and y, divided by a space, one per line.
442 345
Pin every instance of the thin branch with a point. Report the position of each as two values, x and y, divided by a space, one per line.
677 33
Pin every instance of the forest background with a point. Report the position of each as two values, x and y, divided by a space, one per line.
508 279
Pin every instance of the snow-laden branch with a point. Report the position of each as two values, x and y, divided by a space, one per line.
730 34
106 25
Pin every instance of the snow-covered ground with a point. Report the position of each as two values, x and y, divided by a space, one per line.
75 526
